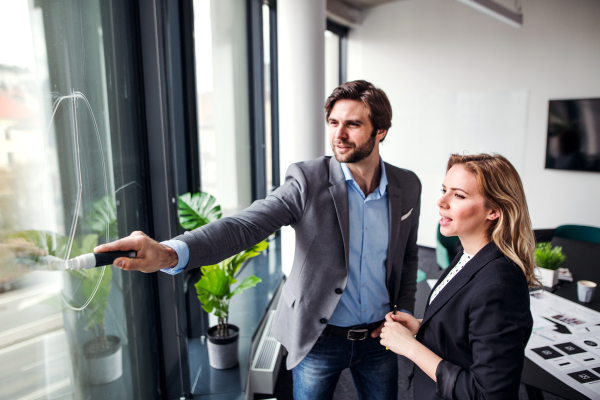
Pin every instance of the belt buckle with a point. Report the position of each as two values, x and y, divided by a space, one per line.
364 332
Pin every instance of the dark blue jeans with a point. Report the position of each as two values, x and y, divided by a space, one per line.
374 369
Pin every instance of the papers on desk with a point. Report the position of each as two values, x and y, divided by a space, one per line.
565 275
566 341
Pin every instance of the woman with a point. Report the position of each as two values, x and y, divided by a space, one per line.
471 342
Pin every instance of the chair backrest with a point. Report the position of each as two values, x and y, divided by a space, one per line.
579 232
445 249
421 276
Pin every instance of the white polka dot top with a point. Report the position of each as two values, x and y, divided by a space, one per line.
460 265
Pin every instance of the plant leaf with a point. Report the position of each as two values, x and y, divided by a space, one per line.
103 218
196 210
247 283
237 261
548 257
214 281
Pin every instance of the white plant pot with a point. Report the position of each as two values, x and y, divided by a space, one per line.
104 364
223 351
548 277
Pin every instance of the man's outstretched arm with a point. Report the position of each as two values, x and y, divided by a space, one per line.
220 239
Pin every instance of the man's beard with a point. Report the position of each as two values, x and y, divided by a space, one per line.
358 154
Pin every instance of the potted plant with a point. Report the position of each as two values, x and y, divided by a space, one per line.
547 260
215 288
103 353
103 360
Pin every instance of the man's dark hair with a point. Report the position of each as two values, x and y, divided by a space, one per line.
375 100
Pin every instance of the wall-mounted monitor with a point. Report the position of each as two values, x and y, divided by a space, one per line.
573 135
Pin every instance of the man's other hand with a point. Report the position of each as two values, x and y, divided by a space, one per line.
377 331
151 255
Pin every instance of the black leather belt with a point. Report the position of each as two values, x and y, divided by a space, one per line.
359 332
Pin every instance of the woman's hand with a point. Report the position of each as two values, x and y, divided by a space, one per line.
407 320
397 337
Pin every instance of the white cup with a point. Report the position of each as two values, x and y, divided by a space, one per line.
585 291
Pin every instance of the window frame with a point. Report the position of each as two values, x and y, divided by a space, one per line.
257 97
343 32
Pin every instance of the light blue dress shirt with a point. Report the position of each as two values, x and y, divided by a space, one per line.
365 298
183 254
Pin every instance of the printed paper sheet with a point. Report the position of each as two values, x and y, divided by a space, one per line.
566 341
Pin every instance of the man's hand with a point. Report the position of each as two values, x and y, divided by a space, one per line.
377 331
406 320
22 248
151 255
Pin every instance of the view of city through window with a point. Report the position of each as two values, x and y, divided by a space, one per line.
65 333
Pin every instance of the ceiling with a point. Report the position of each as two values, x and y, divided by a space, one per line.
361 4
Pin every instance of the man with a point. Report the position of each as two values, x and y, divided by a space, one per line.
356 221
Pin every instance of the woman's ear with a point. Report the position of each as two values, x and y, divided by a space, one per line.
493 215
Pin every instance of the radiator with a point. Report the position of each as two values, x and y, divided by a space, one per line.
266 362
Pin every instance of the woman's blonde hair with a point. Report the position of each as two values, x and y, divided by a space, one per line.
501 187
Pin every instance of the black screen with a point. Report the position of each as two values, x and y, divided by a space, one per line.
574 135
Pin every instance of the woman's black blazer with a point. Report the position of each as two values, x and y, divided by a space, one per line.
479 325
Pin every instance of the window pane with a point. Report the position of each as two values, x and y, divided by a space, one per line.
267 78
70 179
332 73
222 85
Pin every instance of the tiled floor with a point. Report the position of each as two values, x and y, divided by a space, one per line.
345 389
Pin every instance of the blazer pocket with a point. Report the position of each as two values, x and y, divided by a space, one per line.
406 215
288 296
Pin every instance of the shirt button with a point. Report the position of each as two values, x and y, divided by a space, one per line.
338 291
364 310
323 321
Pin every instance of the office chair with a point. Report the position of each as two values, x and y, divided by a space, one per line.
445 249
581 233
421 276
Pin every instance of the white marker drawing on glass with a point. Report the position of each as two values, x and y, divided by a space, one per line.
76 212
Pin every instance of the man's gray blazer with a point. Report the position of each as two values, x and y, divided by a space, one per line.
314 201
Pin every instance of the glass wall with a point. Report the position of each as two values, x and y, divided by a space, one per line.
72 176
223 101
332 75
332 62
336 37
266 11
223 71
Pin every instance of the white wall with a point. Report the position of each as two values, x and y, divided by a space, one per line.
443 52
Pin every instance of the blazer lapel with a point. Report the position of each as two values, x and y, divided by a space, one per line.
394 193
441 278
481 259
339 192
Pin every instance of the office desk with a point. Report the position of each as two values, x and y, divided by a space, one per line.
583 260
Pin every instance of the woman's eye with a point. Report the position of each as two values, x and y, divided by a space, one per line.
459 196
443 190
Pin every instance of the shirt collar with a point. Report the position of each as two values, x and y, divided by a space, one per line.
382 183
